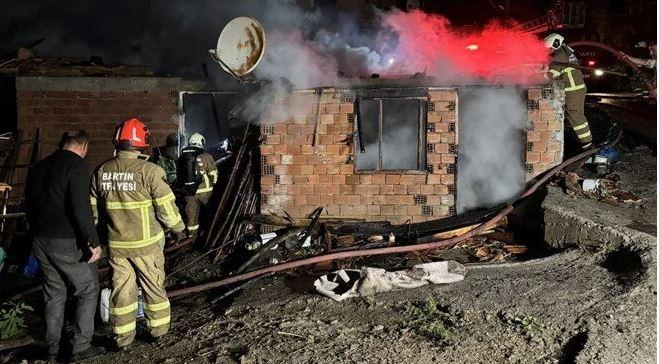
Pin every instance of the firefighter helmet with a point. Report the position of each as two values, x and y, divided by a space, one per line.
197 140
132 133
554 41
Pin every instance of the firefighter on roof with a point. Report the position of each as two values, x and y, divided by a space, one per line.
132 203
196 176
575 88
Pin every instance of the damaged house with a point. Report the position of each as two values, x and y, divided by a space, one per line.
401 152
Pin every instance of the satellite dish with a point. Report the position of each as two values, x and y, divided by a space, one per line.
240 47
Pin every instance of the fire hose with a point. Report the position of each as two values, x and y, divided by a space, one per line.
621 56
394 249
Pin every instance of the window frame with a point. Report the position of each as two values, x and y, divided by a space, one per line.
422 153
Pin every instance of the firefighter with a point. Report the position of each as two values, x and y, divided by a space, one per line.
196 175
132 202
575 88
166 157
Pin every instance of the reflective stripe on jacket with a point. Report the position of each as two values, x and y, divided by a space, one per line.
131 200
572 77
208 170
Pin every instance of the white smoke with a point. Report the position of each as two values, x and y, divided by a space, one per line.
490 149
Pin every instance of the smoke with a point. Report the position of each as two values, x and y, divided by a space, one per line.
495 54
490 151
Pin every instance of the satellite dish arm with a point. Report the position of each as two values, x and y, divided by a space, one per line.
216 58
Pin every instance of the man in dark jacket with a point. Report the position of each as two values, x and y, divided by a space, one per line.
66 243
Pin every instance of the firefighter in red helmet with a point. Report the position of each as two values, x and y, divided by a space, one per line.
133 204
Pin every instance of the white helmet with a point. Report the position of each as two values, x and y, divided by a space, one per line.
197 140
554 41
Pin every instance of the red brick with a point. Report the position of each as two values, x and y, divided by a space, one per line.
267 180
533 136
324 179
448 158
273 159
540 146
427 189
273 139
280 149
413 210
352 179
378 179
365 179
332 149
386 189
392 179
267 149
434 117
300 200
532 157
347 210
408 179
447 200
387 210
373 210
332 189
400 189
313 179
307 169
441 189
441 148
540 126
547 157
339 179
326 200
327 119
347 107
448 179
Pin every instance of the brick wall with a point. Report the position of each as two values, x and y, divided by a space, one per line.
97 105
298 177
96 112
544 134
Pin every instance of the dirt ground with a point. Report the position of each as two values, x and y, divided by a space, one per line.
585 303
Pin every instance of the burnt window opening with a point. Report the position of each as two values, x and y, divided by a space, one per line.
392 131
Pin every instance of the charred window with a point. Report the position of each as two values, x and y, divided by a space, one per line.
390 131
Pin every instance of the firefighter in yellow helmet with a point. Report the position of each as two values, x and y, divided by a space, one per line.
575 88
196 176
132 203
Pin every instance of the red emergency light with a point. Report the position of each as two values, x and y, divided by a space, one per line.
591 63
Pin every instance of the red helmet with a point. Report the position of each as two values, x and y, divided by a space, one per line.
133 132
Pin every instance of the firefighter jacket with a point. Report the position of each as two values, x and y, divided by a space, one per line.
572 77
131 200
206 167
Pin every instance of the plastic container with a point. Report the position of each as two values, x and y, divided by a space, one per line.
104 304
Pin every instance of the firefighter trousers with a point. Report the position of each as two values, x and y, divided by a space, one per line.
574 114
149 272
193 206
